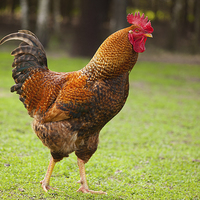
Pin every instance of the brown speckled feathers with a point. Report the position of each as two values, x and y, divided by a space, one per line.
70 109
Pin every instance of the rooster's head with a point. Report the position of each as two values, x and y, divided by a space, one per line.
141 30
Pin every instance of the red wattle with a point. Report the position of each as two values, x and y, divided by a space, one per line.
138 44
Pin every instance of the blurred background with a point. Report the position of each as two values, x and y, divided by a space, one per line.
78 27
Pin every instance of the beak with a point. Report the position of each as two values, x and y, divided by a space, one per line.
148 35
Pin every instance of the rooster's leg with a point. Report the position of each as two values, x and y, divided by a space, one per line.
45 182
84 187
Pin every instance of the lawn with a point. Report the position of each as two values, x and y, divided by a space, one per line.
150 150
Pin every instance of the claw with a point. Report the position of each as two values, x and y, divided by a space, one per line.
84 190
46 186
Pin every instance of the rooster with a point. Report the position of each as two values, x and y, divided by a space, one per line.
70 109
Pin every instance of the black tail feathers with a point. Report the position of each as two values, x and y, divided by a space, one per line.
30 55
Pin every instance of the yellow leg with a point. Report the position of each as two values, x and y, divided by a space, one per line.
84 186
45 182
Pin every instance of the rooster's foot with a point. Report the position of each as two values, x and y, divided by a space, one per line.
46 186
84 190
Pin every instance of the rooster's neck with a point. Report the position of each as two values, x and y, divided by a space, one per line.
114 57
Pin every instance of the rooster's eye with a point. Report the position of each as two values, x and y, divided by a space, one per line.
137 31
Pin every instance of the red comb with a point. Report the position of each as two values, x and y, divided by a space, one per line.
140 21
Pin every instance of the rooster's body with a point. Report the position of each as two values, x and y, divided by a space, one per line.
70 109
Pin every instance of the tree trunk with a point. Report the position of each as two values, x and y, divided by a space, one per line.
24 12
174 24
42 21
196 39
118 19
67 8
89 30
136 3
56 16
184 16
154 6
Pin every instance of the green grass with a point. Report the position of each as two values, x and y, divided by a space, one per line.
150 150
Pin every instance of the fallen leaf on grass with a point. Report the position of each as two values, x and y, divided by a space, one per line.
118 171
21 189
195 160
